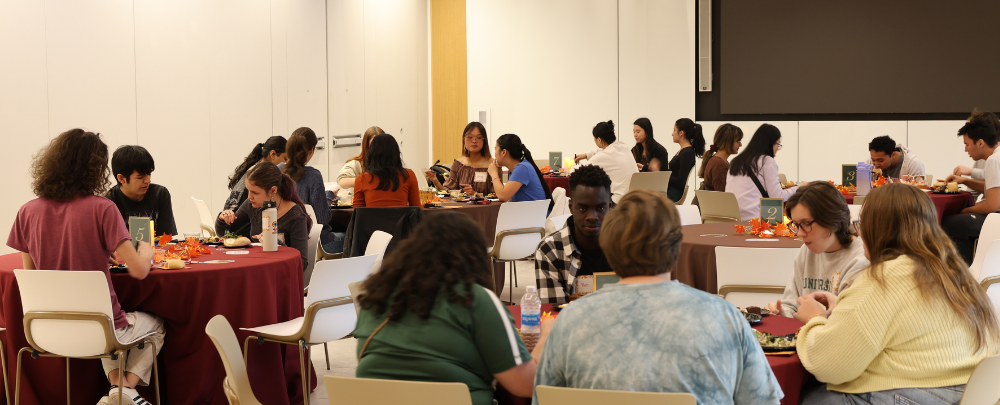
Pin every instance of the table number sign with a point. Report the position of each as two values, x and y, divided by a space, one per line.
555 161
849 174
771 210
141 229
603 278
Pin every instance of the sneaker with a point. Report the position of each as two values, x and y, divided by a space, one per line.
129 397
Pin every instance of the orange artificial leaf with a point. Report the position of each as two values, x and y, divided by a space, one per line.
165 239
739 229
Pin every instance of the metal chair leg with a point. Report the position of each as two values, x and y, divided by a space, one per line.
3 363
156 373
68 396
17 381
493 274
121 374
246 349
510 288
305 384
327 351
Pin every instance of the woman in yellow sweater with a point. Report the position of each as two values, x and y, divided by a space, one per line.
912 327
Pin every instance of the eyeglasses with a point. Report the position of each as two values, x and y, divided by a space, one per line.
803 226
474 138
779 148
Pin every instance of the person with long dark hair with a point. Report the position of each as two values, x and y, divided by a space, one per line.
273 151
356 165
468 173
688 135
385 182
265 182
525 182
309 185
429 314
753 174
649 155
715 163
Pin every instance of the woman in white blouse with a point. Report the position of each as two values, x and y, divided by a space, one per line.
753 174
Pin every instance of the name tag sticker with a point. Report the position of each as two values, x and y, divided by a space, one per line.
480 177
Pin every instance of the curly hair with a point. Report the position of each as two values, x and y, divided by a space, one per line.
439 253
883 144
589 176
73 165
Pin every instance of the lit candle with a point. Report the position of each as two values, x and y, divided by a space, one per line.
568 163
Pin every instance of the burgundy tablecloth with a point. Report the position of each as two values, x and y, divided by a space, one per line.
257 289
696 261
788 370
558 181
945 204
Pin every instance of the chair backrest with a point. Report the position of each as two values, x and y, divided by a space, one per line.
204 217
718 206
397 221
66 291
782 178
690 215
311 212
370 391
313 248
555 223
520 215
855 211
982 388
376 246
859 200
330 280
583 396
989 233
684 196
656 181
759 267
561 206
991 261
237 383
355 289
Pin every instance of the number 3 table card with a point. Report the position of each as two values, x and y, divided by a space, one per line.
848 175
771 210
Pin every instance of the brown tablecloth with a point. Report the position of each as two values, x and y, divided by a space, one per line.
696 261
257 289
945 204
788 370
558 181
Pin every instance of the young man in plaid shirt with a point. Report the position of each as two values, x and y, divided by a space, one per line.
574 251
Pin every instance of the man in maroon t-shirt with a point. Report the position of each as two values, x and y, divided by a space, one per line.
70 227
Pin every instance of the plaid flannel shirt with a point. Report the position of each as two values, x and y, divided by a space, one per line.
557 260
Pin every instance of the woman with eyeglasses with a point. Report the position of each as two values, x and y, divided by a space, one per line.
468 173
831 255
753 174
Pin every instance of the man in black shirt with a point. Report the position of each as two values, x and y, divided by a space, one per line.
134 195
574 251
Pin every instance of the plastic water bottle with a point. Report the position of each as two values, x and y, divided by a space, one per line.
531 317
269 223
864 178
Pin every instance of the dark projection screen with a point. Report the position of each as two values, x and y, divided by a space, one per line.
858 56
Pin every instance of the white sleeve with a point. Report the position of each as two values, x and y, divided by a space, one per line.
770 180
591 154
992 173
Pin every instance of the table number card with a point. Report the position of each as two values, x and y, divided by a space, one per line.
555 161
849 175
141 229
771 210
603 278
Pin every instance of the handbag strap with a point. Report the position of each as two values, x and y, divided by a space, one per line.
369 340
760 188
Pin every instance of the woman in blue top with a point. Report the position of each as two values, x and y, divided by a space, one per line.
525 182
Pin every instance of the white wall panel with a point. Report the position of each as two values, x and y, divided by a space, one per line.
938 146
826 145
306 73
346 76
280 24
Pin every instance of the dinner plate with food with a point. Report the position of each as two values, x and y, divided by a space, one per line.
235 242
772 343
940 187
212 241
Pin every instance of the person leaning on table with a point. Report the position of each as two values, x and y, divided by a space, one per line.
754 173
981 142
976 172
468 173
613 156
912 327
648 333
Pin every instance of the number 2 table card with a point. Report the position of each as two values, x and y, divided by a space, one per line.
771 210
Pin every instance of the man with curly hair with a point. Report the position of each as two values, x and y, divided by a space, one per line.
70 175
573 251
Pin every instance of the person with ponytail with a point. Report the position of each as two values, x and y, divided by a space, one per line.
613 157
385 182
688 135
715 163
753 174
265 182
273 151
649 155
309 185
525 182
355 165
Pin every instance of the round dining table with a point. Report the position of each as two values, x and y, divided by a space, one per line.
787 369
696 259
558 181
257 288
945 204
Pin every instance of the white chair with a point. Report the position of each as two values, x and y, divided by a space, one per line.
753 276
205 217
327 315
989 233
855 212
782 178
311 212
555 223
520 227
583 396
656 181
377 244
68 314
561 205
313 247
718 206
982 388
989 276
236 385
859 200
690 215
687 185
371 391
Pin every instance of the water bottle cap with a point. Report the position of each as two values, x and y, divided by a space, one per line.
530 289
269 204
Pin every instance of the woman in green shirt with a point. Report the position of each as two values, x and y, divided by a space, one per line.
429 315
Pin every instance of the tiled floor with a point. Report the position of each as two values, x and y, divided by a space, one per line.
343 353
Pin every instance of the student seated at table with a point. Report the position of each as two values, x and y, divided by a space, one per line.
688 135
385 182
309 185
895 160
273 151
715 162
525 182
429 315
754 173
981 138
135 194
648 333
613 156
976 171
69 176
648 154
265 182
831 255
912 327
355 165
574 250
468 173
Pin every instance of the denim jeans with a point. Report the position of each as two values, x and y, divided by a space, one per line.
336 245
903 396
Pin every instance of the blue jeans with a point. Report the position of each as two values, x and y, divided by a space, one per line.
336 245
903 396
